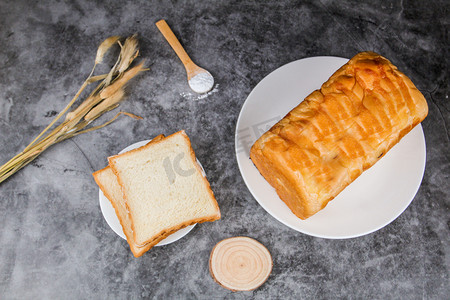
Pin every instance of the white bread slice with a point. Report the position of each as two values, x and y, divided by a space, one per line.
107 181
163 188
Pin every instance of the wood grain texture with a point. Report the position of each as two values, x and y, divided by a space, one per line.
240 263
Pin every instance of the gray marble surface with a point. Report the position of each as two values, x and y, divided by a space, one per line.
54 242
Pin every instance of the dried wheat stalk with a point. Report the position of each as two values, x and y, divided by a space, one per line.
105 97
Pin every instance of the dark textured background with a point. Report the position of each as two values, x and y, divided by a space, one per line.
54 242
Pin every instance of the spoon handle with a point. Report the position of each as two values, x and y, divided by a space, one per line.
173 42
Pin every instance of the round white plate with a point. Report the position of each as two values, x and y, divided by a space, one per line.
110 214
372 201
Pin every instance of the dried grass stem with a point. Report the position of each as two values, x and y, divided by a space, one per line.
105 97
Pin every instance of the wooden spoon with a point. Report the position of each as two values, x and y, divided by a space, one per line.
200 80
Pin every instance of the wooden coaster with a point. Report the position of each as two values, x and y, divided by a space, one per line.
240 263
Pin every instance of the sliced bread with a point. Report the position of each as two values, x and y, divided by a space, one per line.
163 188
107 181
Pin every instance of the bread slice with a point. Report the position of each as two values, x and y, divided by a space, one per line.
107 181
163 188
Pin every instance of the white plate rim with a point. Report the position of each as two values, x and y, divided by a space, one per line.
418 131
110 216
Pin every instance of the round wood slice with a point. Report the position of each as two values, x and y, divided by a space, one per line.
240 263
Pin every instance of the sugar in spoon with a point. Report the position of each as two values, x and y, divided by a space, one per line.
200 80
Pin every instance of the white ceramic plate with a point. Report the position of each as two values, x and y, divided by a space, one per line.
111 218
372 201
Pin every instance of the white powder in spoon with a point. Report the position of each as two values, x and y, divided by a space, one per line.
202 82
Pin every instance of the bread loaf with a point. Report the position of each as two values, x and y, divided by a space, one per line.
337 132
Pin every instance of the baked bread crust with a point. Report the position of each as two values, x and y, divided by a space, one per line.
148 244
337 132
